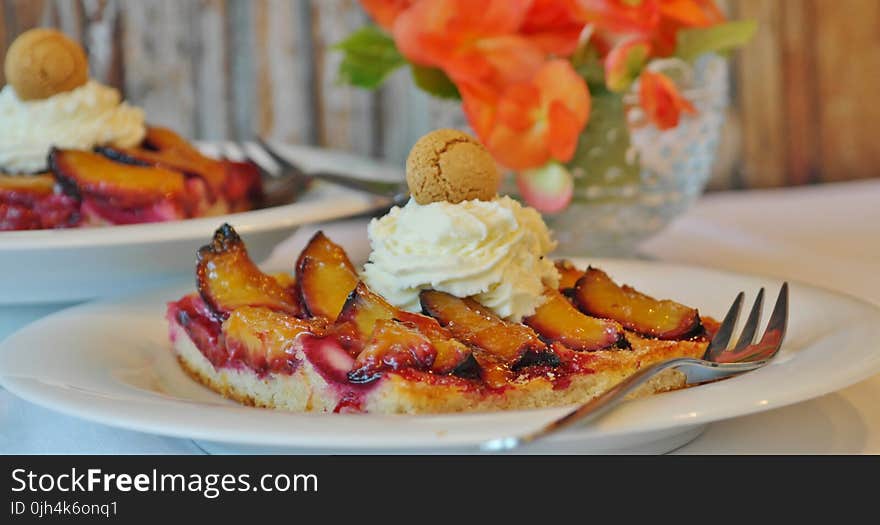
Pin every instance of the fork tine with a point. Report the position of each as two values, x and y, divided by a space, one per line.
751 327
725 331
283 162
231 151
264 173
771 341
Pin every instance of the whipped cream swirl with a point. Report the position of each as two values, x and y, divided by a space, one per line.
493 250
90 115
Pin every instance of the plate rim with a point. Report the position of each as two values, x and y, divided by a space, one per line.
166 427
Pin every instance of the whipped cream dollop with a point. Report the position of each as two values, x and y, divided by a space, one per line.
90 115
492 250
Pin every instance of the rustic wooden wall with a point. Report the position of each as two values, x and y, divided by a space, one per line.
217 69
803 110
807 88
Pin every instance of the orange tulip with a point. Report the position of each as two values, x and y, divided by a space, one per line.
656 20
385 12
661 100
691 13
619 16
552 26
474 41
529 123
676 15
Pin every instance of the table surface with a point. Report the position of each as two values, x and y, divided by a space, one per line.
823 235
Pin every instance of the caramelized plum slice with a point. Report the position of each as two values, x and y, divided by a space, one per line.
192 163
286 280
597 295
568 274
83 172
392 346
325 277
238 182
34 185
163 139
263 338
363 309
452 355
227 278
513 344
558 321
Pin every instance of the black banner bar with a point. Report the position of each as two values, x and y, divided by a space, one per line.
129 489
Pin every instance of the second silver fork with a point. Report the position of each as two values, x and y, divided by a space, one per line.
292 173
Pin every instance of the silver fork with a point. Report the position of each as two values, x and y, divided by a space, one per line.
291 174
718 362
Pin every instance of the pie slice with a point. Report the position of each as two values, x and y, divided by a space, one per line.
163 179
273 341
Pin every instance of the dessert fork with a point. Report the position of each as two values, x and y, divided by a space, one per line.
718 362
284 184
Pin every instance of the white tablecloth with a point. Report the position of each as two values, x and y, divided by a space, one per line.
828 236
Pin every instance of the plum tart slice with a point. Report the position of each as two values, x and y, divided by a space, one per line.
163 179
325 342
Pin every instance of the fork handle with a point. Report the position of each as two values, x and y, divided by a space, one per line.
394 190
696 371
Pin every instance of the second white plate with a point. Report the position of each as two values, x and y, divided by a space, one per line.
69 265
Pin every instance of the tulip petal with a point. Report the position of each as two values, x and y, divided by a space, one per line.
385 12
624 63
661 100
619 16
474 41
558 80
519 150
553 27
530 123
517 106
564 130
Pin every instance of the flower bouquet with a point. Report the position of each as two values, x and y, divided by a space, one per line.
571 96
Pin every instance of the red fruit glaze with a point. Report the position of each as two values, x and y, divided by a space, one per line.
194 316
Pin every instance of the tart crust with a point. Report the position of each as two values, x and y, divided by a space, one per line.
307 389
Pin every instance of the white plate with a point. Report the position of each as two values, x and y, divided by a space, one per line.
61 266
110 362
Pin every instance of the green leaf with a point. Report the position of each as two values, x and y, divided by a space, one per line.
434 81
720 38
369 57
